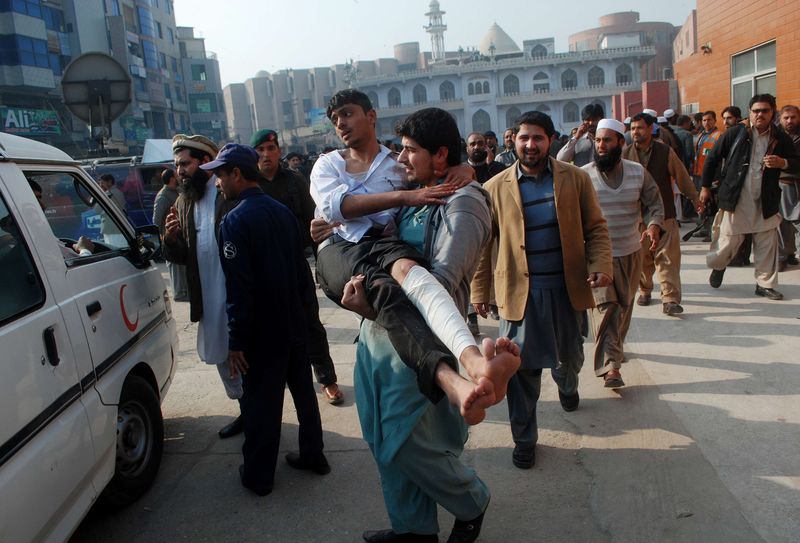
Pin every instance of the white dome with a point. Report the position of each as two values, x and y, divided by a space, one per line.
262 73
503 44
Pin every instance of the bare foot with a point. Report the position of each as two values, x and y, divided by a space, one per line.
501 362
470 398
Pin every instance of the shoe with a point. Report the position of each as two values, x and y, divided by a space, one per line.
232 429
257 491
523 457
643 299
782 265
466 531
791 260
472 325
613 379
671 308
569 403
770 293
707 239
715 279
389 536
700 234
320 467
334 399
493 314
739 263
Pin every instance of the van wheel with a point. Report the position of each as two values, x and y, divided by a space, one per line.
140 442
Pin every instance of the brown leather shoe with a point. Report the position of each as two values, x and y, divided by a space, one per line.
613 379
643 299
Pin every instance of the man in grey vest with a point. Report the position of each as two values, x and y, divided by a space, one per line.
625 191
580 148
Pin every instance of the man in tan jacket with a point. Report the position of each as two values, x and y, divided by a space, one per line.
553 247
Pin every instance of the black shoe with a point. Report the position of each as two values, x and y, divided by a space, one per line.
791 260
770 293
257 491
472 324
739 263
388 536
320 466
569 403
232 429
523 457
671 308
715 279
493 314
466 531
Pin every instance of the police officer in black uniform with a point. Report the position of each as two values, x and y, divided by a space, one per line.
262 258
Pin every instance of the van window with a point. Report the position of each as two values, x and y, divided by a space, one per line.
72 211
20 287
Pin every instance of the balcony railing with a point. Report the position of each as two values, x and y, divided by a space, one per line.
483 66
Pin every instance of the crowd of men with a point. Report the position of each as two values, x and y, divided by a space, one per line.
554 234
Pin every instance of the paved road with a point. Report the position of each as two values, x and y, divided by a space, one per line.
703 445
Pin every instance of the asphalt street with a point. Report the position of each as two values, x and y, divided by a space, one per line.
702 445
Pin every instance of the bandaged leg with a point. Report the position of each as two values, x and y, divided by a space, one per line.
438 309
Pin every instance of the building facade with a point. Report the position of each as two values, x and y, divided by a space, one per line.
203 86
485 88
728 66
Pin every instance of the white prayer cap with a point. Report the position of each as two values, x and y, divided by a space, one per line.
612 124
652 112
669 113
627 120
662 120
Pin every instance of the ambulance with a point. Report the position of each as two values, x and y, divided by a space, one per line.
87 346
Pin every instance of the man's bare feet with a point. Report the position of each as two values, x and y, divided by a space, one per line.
470 398
497 361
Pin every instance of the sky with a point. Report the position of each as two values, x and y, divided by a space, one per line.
253 35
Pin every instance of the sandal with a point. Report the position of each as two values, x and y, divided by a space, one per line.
334 398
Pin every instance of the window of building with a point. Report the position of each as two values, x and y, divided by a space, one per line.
179 94
569 79
170 36
447 91
147 26
570 113
129 18
27 7
544 108
174 63
539 51
162 61
306 105
290 85
167 91
113 5
150 54
394 97
753 72
373 98
287 107
159 30
312 83
471 89
33 52
541 82
511 85
199 72
485 87
53 18
597 77
481 122
203 103
624 74
512 115
420 94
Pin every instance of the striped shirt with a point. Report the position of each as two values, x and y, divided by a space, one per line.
621 206
542 236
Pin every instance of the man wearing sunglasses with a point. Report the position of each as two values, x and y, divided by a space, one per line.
749 194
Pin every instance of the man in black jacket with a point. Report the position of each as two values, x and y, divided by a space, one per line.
749 194
291 189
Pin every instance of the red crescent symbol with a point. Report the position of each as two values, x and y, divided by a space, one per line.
128 324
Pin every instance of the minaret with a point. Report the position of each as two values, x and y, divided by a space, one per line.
436 29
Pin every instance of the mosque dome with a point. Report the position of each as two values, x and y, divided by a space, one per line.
262 73
503 44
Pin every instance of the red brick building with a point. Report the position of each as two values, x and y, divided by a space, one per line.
730 50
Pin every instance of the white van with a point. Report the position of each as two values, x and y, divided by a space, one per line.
87 347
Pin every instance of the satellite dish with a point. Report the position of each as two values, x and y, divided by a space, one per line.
97 90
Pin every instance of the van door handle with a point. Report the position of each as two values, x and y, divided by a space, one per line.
50 346
93 308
